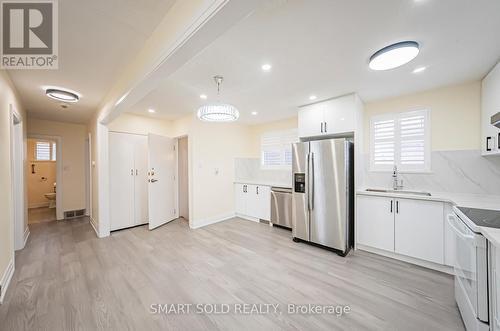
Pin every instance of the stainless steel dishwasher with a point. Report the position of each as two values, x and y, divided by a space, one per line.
281 206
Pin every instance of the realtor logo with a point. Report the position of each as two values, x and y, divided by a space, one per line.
29 34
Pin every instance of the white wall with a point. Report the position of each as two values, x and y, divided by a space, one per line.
8 97
72 157
455 115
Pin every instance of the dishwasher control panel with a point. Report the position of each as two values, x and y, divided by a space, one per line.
299 183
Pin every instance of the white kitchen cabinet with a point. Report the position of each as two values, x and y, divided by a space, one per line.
253 201
418 229
375 222
495 287
240 199
490 105
311 120
334 116
127 180
413 228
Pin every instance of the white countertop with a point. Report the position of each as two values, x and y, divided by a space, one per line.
264 183
480 201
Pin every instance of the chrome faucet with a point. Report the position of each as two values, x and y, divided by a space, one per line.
395 179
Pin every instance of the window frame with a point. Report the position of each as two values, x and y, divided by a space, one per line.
282 134
426 167
52 151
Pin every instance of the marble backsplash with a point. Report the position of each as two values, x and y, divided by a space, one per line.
452 171
249 169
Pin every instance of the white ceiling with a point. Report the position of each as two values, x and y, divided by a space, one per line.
322 47
97 38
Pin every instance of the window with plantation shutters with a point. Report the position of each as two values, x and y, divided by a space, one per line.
45 151
276 149
401 139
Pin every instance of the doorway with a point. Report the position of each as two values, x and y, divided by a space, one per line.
183 176
44 177
20 230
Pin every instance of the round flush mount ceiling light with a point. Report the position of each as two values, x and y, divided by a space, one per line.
394 55
266 67
218 111
62 95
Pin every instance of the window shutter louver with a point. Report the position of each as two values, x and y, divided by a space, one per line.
42 151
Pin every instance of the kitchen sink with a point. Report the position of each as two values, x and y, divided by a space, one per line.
399 191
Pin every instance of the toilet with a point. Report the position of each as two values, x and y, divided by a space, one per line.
52 199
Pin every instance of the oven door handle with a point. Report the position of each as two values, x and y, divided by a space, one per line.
451 220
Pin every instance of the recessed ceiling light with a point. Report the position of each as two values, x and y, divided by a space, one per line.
419 69
152 111
394 55
313 97
266 67
62 95
203 96
254 113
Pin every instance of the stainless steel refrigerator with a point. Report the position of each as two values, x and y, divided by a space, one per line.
323 193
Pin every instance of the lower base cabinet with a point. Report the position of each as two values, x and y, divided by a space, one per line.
495 287
253 201
414 228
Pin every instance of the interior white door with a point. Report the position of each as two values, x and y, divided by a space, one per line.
161 184
121 180
141 180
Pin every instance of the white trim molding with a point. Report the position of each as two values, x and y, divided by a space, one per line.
95 226
6 278
196 224
26 235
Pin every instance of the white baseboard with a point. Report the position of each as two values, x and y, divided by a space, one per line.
5 280
38 205
196 224
95 226
248 218
26 235
412 260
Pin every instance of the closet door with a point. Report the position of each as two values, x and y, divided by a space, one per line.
121 180
141 180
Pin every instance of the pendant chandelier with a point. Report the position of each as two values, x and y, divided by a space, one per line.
218 111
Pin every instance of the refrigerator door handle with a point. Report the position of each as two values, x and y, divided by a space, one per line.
308 178
311 182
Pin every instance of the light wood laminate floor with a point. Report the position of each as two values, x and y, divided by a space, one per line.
67 279
41 215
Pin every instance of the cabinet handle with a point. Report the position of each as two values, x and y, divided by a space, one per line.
391 205
321 127
131 172
325 128
257 189
397 207
136 172
488 149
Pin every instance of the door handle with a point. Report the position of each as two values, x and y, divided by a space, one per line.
311 182
154 180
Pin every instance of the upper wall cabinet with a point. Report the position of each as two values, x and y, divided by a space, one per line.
490 105
333 116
